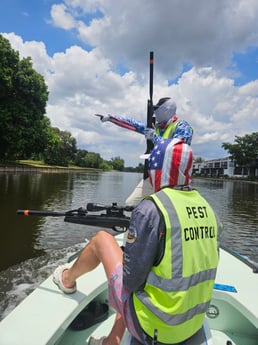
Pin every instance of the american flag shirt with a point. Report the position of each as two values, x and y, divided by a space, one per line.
170 164
183 130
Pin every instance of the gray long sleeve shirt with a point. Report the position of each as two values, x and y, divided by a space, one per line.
142 245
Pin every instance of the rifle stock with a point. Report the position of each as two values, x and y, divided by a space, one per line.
119 224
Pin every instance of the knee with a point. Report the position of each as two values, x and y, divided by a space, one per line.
102 236
103 240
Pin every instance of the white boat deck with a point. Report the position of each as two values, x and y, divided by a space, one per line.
235 310
47 312
44 316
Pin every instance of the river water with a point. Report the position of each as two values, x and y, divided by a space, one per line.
31 247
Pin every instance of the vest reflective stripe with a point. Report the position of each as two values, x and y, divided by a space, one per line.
181 283
173 320
169 286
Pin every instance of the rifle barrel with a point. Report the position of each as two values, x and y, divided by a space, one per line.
40 213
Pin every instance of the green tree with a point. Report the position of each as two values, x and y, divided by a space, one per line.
140 168
198 160
117 163
68 145
23 98
93 160
105 166
245 152
60 148
245 149
80 157
89 160
9 60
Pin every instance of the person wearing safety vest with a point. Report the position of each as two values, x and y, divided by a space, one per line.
178 289
167 125
161 284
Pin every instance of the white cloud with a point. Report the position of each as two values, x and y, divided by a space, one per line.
205 34
37 50
61 17
199 32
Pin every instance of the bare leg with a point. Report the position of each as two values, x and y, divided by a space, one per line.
116 334
102 248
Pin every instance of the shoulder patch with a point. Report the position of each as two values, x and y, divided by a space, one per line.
131 236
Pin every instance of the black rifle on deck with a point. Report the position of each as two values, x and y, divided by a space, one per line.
113 216
150 119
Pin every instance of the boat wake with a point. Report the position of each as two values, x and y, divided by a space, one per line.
18 281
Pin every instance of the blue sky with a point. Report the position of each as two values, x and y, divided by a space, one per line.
94 56
31 20
247 65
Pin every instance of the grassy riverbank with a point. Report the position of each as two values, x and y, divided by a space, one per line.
41 164
31 165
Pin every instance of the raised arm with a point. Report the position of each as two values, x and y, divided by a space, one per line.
124 122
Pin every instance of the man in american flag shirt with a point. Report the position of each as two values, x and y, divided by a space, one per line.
165 114
167 126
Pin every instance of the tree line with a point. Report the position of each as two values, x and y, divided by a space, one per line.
26 133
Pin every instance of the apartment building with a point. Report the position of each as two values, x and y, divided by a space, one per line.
223 167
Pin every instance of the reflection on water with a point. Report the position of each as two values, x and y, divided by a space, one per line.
26 237
31 247
237 206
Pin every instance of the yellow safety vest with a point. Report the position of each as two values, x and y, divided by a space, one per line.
178 290
169 131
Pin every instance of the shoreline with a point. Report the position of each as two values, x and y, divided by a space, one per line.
239 179
27 168
40 168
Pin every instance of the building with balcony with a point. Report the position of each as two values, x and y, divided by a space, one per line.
223 167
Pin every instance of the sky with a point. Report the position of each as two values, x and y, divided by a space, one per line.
94 57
